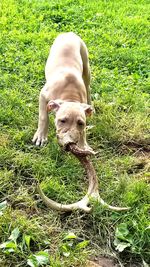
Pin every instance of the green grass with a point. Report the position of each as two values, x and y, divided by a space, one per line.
116 34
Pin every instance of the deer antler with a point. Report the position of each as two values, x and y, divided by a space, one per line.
92 189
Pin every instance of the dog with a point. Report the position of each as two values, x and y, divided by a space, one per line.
66 92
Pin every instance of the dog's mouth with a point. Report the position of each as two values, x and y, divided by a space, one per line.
67 146
80 150
65 140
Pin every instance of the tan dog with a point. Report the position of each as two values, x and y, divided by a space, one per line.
66 92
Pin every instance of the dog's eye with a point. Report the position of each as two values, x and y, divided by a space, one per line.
63 120
80 123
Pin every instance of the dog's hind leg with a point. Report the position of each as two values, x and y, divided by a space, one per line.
86 75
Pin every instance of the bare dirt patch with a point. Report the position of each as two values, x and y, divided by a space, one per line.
139 150
102 262
108 262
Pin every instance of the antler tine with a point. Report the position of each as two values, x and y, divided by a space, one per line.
93 180
92 189
93 185
82 204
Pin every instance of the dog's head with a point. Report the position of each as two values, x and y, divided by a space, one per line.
70 121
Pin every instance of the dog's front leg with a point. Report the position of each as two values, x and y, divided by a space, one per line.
40 137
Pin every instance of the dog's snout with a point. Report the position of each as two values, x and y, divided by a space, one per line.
66 138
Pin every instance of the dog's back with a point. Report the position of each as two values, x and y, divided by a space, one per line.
65 53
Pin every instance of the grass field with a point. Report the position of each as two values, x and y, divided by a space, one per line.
116 34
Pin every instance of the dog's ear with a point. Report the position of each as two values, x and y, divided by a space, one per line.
87 109
54 105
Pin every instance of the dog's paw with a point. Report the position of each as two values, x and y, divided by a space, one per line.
39 138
